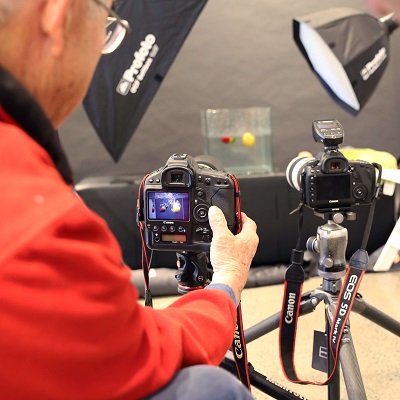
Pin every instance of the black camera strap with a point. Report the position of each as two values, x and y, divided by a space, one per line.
148 300
239 349
294 279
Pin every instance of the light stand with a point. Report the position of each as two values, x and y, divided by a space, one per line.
330 243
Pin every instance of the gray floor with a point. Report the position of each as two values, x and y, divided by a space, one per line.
378 351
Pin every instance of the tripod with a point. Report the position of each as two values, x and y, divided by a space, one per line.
330 243
193 272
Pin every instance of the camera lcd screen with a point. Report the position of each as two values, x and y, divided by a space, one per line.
333 187
172 206
169 237
327 125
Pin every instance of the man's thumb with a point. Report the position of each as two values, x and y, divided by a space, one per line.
216 218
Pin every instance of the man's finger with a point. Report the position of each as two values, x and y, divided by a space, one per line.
216 218
248 224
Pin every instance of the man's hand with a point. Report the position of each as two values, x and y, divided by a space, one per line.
230 254
384 7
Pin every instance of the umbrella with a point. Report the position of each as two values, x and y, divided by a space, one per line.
348 50
126 80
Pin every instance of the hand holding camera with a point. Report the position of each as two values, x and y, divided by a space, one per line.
192 207
231 255
176 202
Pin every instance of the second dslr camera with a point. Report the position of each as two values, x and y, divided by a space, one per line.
330 182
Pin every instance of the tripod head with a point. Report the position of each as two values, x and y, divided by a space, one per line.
331 243
193 272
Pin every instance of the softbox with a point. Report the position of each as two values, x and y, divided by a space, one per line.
348 50
126 80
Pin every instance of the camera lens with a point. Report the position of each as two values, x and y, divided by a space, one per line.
295 169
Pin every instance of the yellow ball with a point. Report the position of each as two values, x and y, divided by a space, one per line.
248 139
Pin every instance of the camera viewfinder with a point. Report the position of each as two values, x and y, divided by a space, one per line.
176 178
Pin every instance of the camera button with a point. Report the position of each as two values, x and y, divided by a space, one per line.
360 192
200 213
206 238
208 181
164 228
151 180
155 228
181 229
158 180
200 193
172 228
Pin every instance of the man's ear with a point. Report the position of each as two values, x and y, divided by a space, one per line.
53 22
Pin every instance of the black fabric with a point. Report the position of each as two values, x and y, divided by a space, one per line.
126 81
26 111
268 199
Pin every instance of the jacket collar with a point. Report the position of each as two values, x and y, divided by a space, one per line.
25 111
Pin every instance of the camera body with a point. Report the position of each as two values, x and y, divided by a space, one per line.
176 202
330 182
327 191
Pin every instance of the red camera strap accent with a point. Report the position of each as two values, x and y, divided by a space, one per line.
238 345
239 349
294 279
145 260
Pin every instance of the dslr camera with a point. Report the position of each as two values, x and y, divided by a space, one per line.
176 199
330 182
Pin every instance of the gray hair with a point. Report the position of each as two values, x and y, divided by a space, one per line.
8 8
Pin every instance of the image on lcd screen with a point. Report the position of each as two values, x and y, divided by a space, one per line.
168 206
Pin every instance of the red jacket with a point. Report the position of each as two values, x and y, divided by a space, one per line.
70 323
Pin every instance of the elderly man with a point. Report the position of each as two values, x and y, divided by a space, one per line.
71 325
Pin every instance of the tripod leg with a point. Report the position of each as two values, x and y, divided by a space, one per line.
262 328
375 315
351 370
261 382
334 383
271 323
348 363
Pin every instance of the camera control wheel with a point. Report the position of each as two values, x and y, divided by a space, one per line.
360 191
200 213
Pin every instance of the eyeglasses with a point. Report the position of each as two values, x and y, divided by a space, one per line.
116 29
